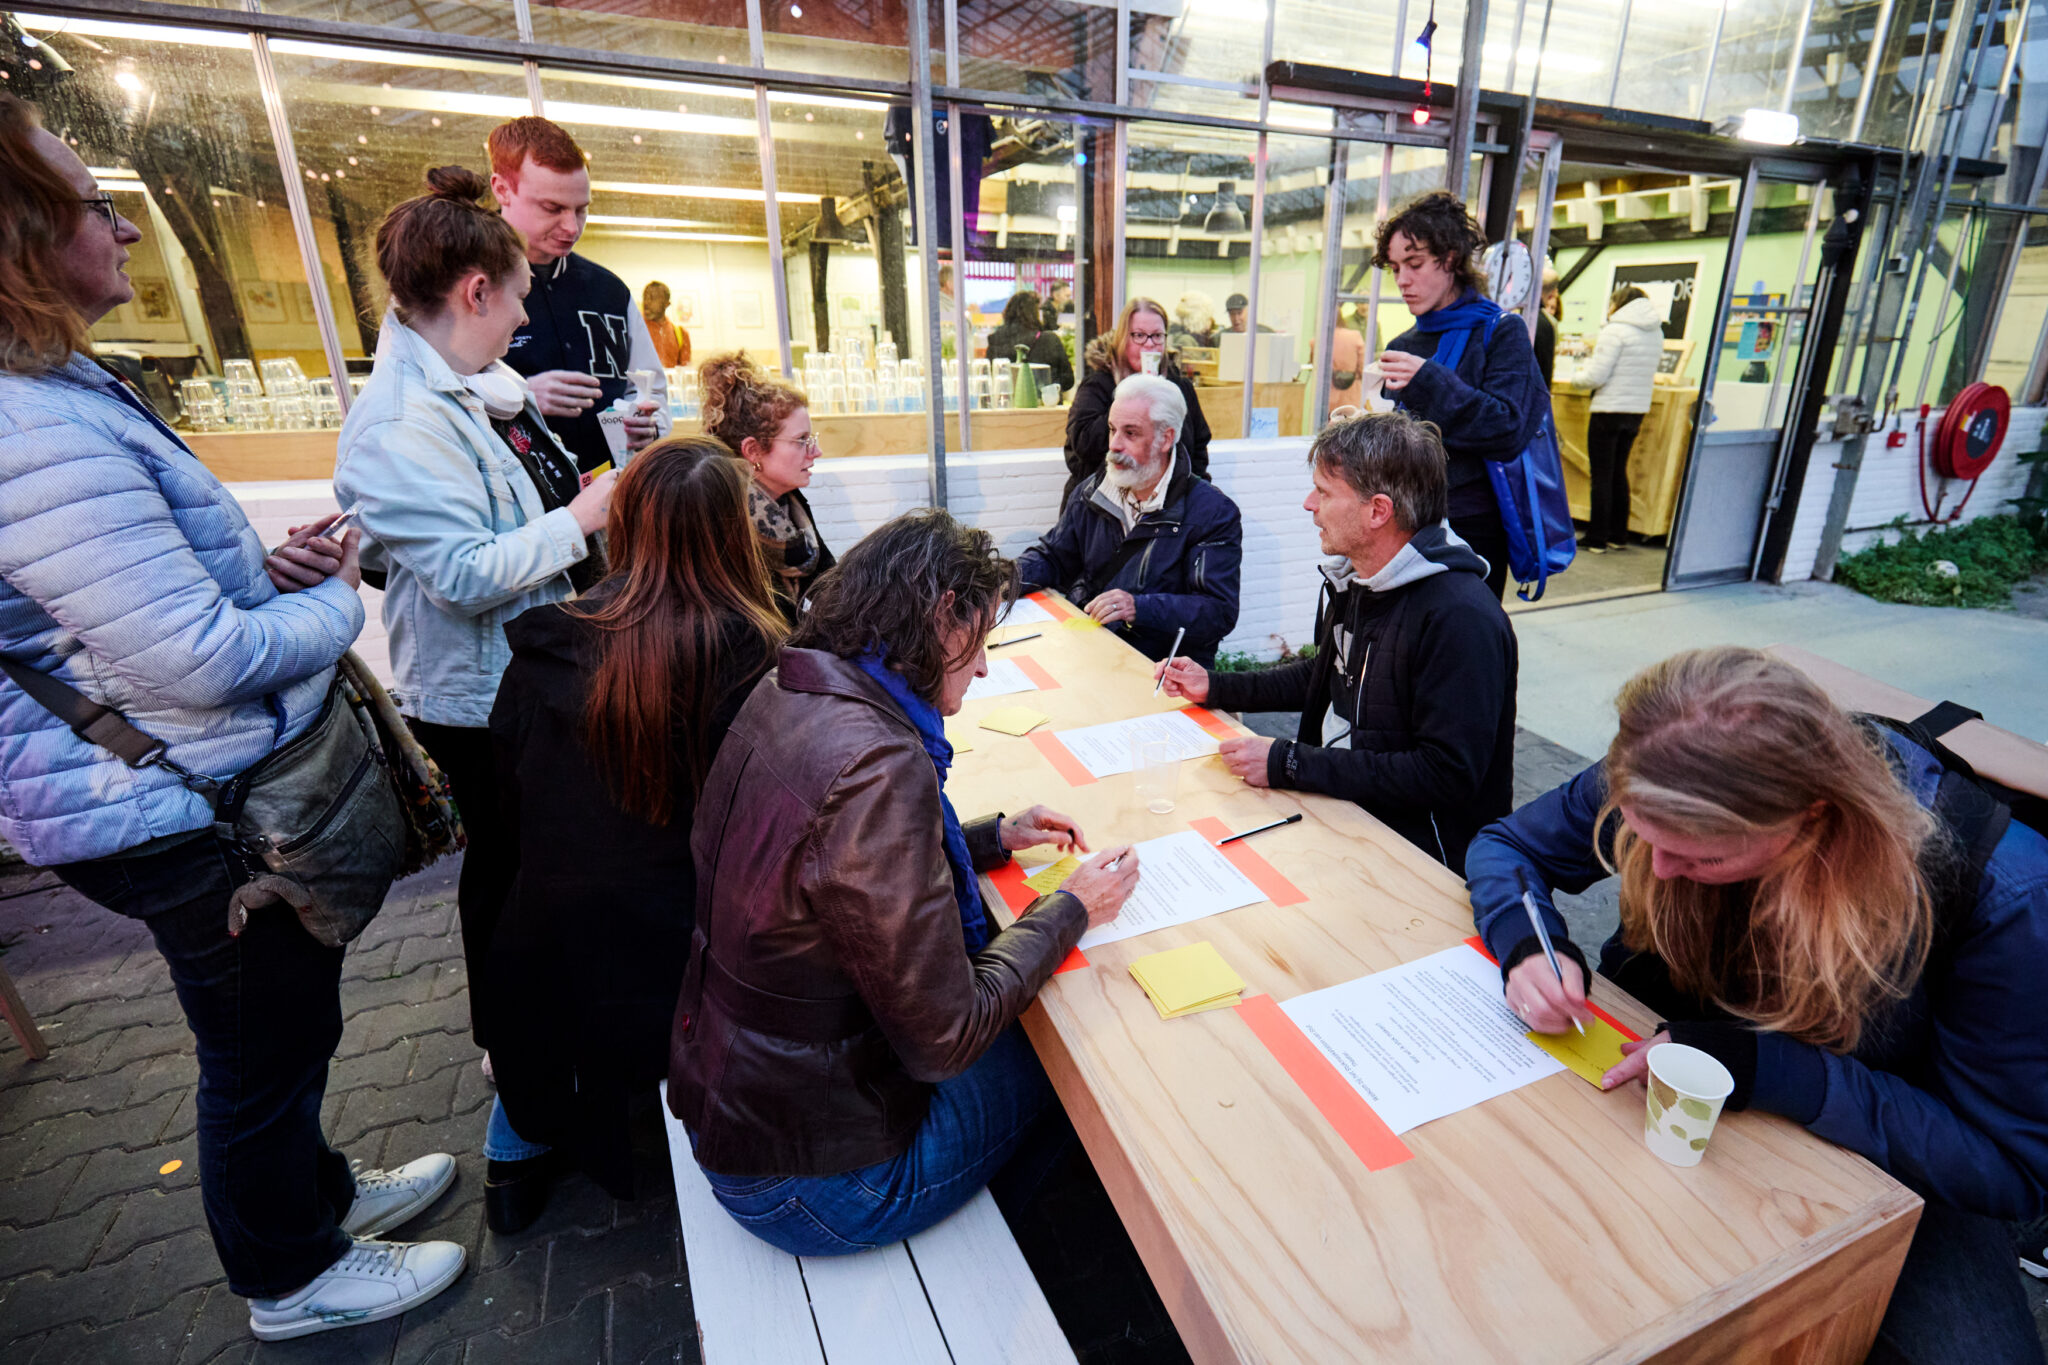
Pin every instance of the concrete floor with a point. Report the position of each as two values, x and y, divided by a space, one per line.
1576 657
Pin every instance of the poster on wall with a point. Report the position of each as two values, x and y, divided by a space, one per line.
153 301
746 309
262 301
1670 285
302 304
683 308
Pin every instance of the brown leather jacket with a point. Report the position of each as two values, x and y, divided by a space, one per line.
829 985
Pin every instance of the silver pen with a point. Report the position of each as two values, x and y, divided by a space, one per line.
1543 937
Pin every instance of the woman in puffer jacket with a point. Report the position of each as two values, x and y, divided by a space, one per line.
1622 374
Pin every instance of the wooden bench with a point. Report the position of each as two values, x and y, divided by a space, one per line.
957 1294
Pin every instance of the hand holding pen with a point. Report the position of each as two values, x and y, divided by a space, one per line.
1546 990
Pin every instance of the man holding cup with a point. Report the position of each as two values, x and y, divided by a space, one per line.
585 346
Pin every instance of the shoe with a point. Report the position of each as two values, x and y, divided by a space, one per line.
489 1075
384 1199
515 1192
1588 547
372 1281
2035 1263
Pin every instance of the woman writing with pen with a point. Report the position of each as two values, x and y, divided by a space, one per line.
1854 934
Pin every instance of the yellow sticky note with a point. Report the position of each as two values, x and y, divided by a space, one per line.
1187 980
1049 878
1081 621
1013 720
958 739
1591 1056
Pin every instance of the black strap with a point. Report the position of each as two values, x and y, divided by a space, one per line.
88 719
1944 717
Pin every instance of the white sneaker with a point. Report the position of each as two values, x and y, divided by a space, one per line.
372 1281
384 1199
2035 1263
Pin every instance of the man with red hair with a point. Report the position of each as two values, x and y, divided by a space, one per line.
583 337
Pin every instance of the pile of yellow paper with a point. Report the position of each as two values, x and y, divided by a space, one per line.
1188 980
1049 878
1590 1057
1014 720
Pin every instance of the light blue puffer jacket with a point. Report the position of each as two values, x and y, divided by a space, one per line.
454 519
127 570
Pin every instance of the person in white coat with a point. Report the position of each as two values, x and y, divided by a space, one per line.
1622 374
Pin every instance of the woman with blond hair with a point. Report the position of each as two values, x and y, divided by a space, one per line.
1855 937
1140 332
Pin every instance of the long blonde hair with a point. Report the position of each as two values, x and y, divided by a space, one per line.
1728 742
1120 336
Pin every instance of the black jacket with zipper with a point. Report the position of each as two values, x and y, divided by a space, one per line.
1421 673
1180 563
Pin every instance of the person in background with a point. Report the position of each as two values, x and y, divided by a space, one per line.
1194 321
671 339
846 1056
1490 405
1144 545
470 508
1108 361
128 573
945 291
1021 328
1805 897
613 706
1238 308
1408 703
767 423
1547 314
1058 303
1622 373
1347 360
583 337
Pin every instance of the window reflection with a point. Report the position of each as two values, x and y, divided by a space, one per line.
1061 48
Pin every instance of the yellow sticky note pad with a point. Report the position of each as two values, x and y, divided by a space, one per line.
1049 878
1081 621
1013 720
1591 1056
958 739
1187 980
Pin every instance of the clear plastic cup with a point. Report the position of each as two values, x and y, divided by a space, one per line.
1155 774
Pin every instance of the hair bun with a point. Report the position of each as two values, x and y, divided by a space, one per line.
456 182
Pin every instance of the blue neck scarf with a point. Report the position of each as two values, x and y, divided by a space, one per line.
1456 323
931 729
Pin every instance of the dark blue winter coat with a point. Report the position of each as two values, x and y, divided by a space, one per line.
1488 407
1182 570
1948 1090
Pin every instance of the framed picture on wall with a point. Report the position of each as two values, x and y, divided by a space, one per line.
263 301
154 301
684 307
1670 284
302 304
746 309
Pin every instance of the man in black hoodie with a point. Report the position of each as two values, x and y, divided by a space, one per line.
1408 706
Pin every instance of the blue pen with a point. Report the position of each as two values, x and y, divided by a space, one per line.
1543 935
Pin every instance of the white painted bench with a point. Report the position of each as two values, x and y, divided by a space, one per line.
956 1294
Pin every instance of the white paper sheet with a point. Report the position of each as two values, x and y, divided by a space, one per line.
1181 877
1024 612
1004 677
1105 750
1424 1039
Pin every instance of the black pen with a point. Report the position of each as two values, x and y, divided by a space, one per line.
1260 830
998 644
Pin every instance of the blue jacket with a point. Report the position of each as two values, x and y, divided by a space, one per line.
1948 1090
128 571
1182 572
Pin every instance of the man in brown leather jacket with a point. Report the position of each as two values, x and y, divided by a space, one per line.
845 1055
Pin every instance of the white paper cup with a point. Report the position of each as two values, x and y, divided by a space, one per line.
1686 1090
1150 360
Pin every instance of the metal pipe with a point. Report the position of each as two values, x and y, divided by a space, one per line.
1251 341
1798 58
1379 215
1620 46
1713 60
963 347
1955 265
1798 283
952 46
1873 59
522 17
777 280
927 192
1515 43
1465 101
1119 207
757 50
1333 263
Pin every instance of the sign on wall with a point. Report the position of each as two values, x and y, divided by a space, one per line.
1670 284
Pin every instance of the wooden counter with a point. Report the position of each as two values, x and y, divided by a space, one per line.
1533 1228
1223 406
1656 463
254 456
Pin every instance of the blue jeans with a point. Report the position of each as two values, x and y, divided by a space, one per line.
999 1108
1960 1299
502 1141
265 1011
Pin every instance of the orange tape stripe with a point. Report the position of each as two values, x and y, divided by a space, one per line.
1262 874
1046 682
1062 759
1213 723
1008 881
1060 610
1623 1029
1335 1098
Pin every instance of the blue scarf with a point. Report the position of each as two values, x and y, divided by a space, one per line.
931 729
1473 311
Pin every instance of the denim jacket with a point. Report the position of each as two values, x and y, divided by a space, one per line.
455 522
128 571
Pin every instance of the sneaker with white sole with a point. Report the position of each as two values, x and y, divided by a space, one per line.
384 1199
2035 1263
372 1281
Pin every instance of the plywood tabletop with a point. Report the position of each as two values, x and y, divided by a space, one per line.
1534 1227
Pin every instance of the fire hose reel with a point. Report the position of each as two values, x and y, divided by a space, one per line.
1971 432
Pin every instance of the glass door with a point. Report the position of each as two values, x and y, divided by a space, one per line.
1753 378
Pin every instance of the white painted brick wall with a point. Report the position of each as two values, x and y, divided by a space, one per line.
1014 494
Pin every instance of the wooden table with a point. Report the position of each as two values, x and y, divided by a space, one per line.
1656 462
1535 1227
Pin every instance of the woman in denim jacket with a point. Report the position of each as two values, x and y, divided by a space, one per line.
472 509
129 573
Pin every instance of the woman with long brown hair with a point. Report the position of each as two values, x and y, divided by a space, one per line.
1854 933
1140 332
767 422
605 725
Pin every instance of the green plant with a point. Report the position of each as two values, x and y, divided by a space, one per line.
1238 661
1989 555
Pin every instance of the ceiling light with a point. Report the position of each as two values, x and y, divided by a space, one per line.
1226 216
129 81
1762 125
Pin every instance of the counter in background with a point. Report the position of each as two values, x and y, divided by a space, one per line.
1656 463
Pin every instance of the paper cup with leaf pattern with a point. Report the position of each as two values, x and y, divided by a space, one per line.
1687 1088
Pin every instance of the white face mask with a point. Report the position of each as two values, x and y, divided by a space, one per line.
503 396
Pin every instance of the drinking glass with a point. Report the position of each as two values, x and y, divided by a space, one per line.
1155 774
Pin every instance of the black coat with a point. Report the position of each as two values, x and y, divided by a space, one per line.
1042 348
1088 420
1182 569
1489 408
590 948
1429 677
578 318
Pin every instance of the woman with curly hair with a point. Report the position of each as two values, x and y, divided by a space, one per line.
767 422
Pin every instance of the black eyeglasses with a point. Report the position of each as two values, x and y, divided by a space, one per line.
105 204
